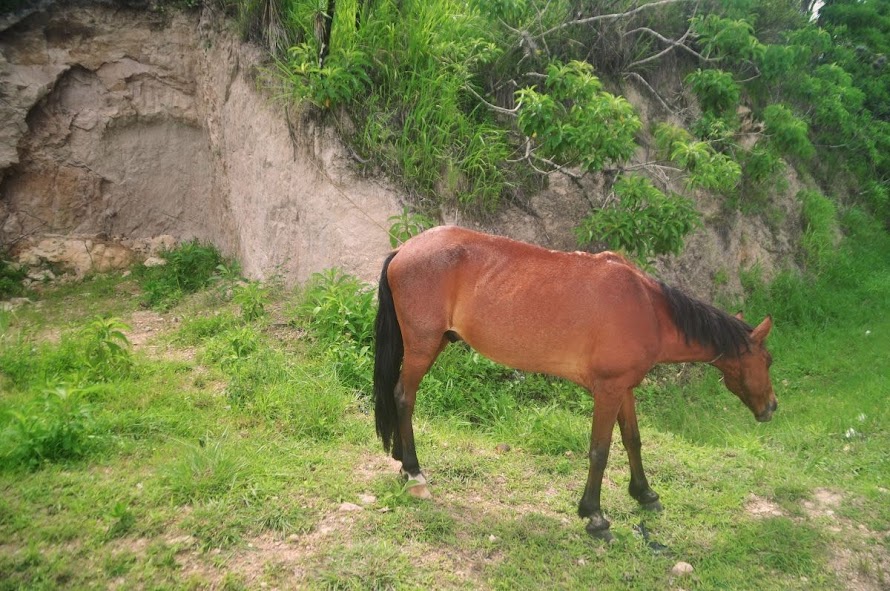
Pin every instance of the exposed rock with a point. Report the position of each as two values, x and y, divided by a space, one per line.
154 262
682 569
131 123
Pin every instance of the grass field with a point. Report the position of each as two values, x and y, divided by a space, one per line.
226 443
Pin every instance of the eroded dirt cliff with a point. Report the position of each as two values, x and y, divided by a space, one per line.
123 124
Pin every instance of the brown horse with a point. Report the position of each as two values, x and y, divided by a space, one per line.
593 319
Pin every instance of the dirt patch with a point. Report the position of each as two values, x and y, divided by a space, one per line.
758 506
823 504
861 558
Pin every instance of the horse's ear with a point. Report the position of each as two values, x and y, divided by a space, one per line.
739 315
759 334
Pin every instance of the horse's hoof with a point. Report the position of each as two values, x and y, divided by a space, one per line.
654 506
601 534
419 491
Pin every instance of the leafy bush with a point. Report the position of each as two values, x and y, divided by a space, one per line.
189 268
644 222
705 167
717 91
56 428
787 132
576 122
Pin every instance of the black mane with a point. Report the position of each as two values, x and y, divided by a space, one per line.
706 325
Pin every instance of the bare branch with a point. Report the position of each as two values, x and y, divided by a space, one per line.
679 43
602 17
495 108
636 76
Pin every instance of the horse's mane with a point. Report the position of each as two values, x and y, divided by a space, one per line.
705 324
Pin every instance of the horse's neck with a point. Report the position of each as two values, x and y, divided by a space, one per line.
675 349
674 346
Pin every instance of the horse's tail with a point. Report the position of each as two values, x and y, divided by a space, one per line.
388 352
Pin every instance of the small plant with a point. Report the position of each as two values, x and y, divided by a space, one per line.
105 349
337 306
407 224
123 521
58 428
252 298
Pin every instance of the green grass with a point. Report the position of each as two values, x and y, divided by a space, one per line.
222 456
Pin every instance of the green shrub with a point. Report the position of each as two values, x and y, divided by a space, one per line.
717 91
788 133
58 427
11 277
644 222
576 122
189 267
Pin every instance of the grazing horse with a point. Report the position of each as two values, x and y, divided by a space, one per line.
594 319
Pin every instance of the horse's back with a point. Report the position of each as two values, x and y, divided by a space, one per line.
519 304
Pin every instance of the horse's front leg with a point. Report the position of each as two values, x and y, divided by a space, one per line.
605 410
639 487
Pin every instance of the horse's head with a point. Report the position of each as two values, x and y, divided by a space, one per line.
747 376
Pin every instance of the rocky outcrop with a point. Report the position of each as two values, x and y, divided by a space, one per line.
127 124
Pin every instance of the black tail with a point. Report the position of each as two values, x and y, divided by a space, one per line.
388 352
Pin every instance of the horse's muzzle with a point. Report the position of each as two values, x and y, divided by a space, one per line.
768 413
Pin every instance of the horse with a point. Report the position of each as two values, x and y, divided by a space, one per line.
594 319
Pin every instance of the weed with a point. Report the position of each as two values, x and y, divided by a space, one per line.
339 311
105 349
188 268
57 429
123 521
252 298
205 471
407 224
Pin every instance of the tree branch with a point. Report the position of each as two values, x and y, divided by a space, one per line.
601 17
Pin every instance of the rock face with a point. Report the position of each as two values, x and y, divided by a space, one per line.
123 124
127 123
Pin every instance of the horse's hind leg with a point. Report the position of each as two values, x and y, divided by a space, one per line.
416 363
639 487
